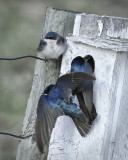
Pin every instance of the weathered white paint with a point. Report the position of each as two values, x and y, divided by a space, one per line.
118 99
113 27
100 28
77 26
120 149
100 42
121 32
117 103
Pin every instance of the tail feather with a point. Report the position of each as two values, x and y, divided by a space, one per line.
82 127
94 113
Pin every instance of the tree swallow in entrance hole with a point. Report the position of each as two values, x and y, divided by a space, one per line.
56 101
85 91
52 46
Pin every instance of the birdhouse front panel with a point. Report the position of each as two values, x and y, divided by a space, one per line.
91 145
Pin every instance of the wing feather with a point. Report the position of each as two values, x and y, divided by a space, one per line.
45 122
87 90
68 82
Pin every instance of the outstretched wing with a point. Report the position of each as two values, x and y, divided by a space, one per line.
45 122
69 82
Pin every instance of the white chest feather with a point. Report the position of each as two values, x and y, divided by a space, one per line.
52 49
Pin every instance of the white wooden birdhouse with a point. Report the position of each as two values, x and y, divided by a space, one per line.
105 40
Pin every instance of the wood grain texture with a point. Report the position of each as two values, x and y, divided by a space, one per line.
115 100
103 26
119 141
118 45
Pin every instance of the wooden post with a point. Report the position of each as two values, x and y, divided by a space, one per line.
61 22
106 40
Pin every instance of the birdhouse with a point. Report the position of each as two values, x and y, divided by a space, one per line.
104 40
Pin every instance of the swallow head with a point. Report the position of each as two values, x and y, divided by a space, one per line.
78 60
51 35
52 45
77 64
48 89
80 64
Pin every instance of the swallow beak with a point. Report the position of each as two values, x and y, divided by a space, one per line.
39 49
41 45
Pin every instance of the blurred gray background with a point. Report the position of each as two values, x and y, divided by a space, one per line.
21 23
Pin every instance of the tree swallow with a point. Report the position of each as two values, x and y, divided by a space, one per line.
56 101
85 91
52 46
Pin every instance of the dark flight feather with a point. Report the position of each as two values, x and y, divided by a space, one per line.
69 82
45 122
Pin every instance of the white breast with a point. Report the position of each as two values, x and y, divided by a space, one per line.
53 50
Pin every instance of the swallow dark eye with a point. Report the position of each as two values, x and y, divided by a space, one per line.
42 43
